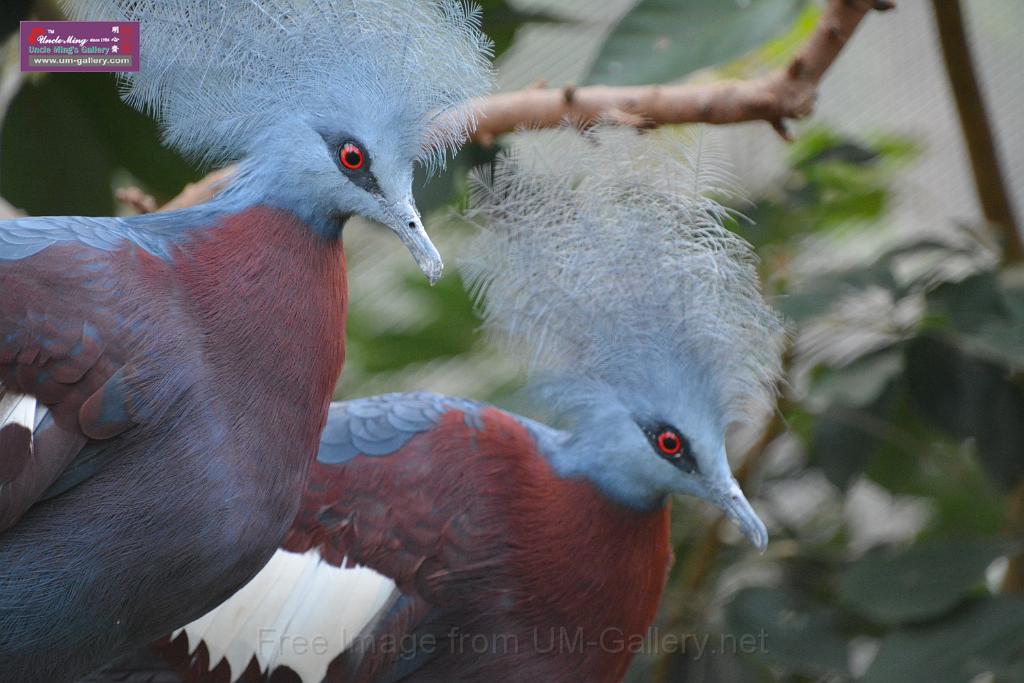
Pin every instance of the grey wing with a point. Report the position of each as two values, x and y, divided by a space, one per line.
26 237
155 232
380 425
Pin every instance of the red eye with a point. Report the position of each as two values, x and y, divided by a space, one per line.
351 157
669 443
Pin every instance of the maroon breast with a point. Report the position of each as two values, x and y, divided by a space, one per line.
271 295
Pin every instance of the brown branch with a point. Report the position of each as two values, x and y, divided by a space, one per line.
136 198
785 94
201 191
196 193
989 182
788 93
990 186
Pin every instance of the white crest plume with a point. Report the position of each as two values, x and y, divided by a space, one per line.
219 73
603 258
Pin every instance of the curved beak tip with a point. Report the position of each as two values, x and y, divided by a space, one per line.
758 537
736 506
434 273
428 260
410 230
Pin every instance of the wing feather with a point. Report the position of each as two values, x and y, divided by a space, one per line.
299 612
74 316
388 529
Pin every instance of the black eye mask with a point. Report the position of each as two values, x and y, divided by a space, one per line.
353 159
670 445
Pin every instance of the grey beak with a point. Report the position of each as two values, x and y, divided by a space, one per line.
734 504
404 221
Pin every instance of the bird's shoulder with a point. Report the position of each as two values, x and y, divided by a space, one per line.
409 508
384 425
412 469
90 326
154 233
22 238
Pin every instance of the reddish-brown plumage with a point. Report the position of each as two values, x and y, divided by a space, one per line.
211 374
277 312
484 537
606 589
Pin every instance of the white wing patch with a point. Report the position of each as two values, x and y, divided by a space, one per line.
19 409
299 612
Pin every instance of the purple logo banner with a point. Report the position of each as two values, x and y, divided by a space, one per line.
75 46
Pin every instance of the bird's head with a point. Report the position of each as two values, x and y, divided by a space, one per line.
606 262
644 442
330 168
329 105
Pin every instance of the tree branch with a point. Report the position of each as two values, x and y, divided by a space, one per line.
788 93
989 182
7 211
199 192
990 186
202 190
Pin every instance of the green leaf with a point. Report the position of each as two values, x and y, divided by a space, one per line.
815 296
798 635
819 144
926 580
858 383
64 138
986 318
970 397
844 439
449 331
834 182
500 21
916 461
662 40
981 638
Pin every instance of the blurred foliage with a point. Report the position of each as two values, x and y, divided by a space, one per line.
501 19
12 12
75 126
448 330
983 637
663 40
929 408
832 184
906 386
903 587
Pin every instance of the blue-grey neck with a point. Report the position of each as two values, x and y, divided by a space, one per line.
578 454
575 458
264 183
